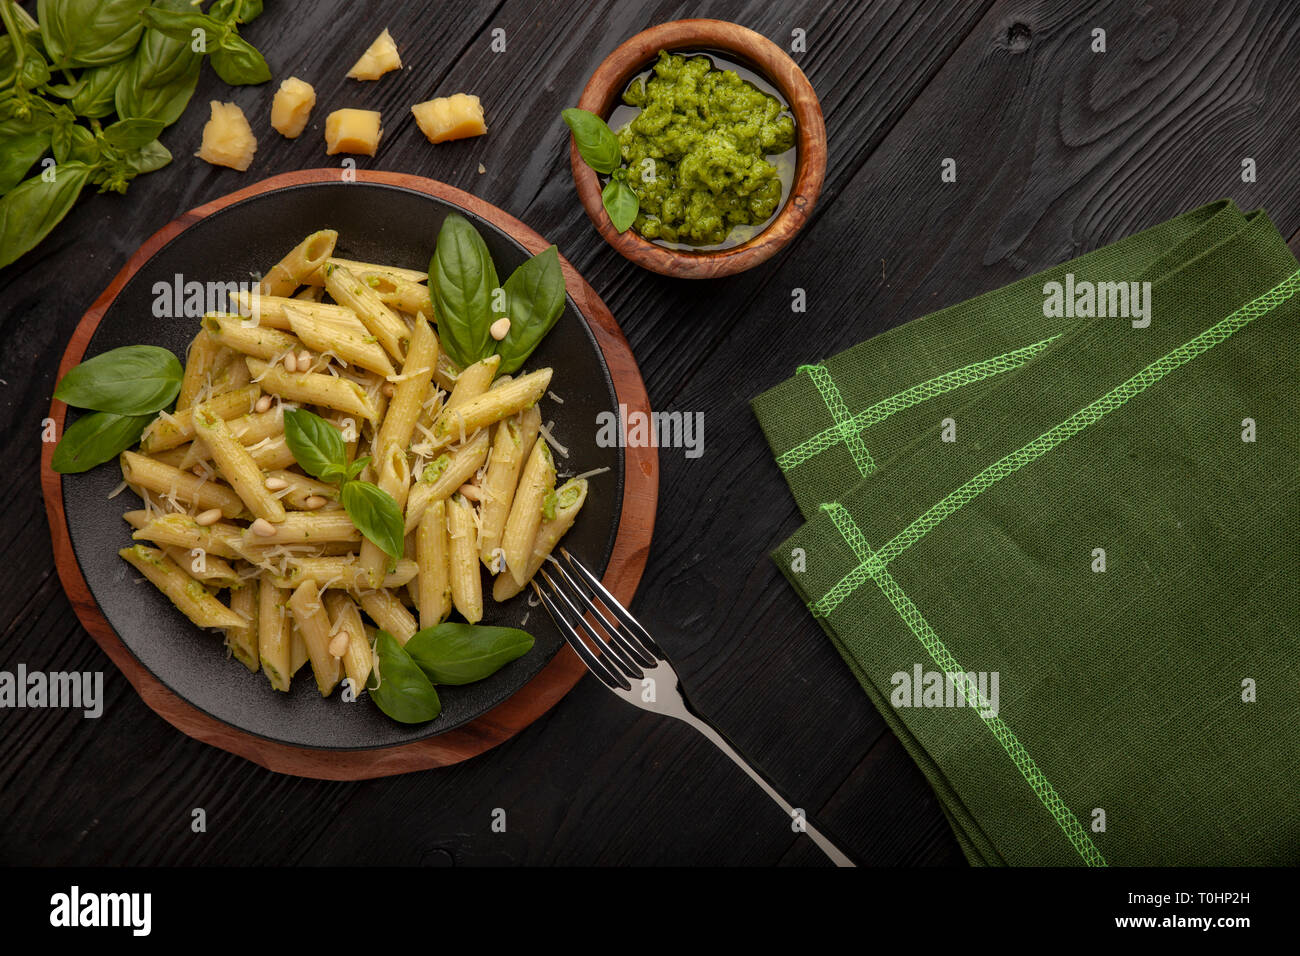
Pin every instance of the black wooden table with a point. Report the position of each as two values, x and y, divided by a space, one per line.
1058 149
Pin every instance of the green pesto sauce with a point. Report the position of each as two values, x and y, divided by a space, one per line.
708 133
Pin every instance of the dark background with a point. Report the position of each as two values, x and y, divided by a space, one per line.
1058 149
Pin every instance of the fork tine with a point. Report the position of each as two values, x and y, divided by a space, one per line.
618 643
599 669
638 637
619 656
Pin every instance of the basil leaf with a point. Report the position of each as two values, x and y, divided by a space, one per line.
30 211
398 687
80 145
89 32
597 143
132 133
376 515
148 157
316 444
453 653
22 142
238 62
620 203
462 279
179 23
66 91
132 380
168 57
96 438
136 100
534 301
240 11
95 98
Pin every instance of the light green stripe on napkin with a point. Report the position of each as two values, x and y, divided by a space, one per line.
1136 711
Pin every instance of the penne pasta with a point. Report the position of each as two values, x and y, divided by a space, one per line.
182 531
432 554
466 580
569 499
340 571
169 430
189 596
384 324
299 488
409 392
302 262
306 527
312 388
394 272
357 660
237 466
259 341
242 640
274 635
469 385
536 482
511 446
446 473
397 292
394 478
388 612
314 626
272 310
298 655
249 429
200 493
199 363
493 405
350 341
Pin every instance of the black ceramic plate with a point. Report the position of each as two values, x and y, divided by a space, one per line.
376 223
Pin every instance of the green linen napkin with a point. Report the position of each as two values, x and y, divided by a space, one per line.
1092 527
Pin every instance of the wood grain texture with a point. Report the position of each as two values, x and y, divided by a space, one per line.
1058 150
741 45
627 561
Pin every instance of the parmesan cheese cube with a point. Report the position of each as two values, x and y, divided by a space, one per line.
450 117
228 140
378 60
352 131
292 106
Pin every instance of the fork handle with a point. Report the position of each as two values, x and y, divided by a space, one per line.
837 856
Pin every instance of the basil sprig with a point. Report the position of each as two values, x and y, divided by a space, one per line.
131 56
463 285
599 149
453 653
318 447
125 388
398 687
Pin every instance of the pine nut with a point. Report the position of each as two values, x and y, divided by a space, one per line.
313 502
275 483
304 360
211 516
500 328
339 645
262 528
470 491
263 404
388 389
290 363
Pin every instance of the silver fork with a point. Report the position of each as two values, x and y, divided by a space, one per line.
634 668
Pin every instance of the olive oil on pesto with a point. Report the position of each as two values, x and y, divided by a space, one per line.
709 150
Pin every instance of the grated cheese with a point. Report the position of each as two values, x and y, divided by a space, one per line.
545 431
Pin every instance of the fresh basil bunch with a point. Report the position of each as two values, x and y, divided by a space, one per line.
403 679
467 298
318 447
124 389
85 60
599 149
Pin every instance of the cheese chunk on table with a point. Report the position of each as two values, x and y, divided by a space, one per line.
292 107
450 117
352 131
228 140
379 59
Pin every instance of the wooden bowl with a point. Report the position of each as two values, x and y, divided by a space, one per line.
603 93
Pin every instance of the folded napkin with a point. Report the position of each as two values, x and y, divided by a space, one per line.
1060 552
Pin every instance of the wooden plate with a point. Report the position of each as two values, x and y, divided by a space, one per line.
488 714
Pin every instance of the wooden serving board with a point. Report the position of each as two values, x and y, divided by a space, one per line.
626 564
